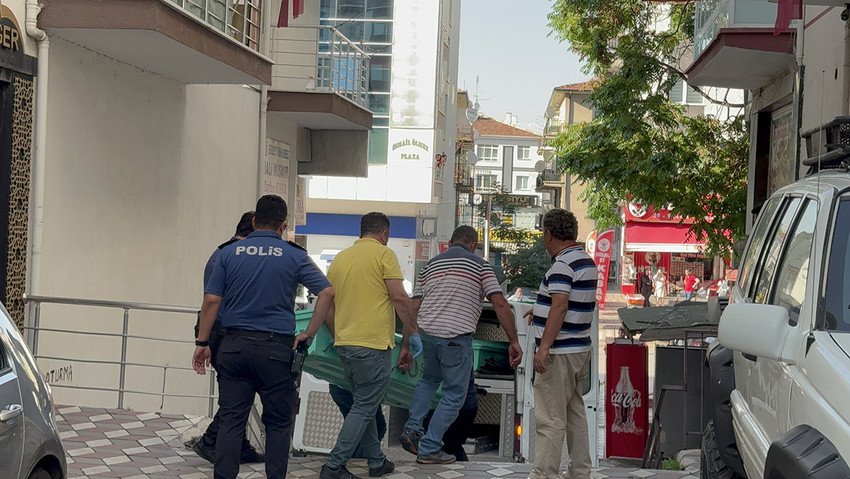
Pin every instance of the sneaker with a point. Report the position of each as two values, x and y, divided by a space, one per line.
410 441
204 451
439 457
340 472
386 468
250 455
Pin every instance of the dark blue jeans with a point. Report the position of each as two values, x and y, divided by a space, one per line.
447 362
368 372
249 366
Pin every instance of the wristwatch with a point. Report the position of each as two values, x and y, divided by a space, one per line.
202 343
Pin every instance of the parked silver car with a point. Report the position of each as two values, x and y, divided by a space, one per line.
30 447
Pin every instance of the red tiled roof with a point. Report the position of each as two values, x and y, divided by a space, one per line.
487 126
583 86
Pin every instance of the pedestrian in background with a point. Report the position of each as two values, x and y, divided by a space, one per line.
659 281
448 298
562 319
255 281
367 280
645 284
691 282
205 447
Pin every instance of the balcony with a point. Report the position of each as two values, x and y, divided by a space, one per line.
734 44
319 82
190 41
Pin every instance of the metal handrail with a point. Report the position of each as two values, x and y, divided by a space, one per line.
340 66
34 330
238 20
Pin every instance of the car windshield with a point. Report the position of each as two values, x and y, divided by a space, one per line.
836 315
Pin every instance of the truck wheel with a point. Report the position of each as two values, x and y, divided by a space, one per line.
804 452
711 465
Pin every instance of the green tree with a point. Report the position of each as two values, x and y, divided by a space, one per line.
526 267
640 144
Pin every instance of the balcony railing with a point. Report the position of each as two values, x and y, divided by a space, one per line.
238 19
712 15
320 58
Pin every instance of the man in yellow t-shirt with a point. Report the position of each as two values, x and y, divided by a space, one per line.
367 281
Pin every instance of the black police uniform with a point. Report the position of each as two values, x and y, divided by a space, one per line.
257 279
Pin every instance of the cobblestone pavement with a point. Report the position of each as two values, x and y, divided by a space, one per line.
129 444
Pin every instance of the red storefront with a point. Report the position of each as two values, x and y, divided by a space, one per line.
654 239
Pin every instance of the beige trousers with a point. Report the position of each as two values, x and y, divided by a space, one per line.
559 413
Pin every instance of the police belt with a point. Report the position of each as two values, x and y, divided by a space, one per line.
287 339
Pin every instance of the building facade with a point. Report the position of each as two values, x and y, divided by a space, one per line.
412 92
140 132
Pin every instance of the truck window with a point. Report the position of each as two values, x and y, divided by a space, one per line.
765 269
793 271
758 238
837 288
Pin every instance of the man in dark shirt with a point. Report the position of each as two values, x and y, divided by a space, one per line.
205 447
255 281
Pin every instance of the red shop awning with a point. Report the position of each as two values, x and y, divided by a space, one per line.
661 237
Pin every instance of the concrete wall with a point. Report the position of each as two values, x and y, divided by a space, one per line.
144 178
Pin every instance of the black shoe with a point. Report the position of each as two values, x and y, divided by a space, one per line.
439 457
410 441
204 451
340 472
250 455
385 468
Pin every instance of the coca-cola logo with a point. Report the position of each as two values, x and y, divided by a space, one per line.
626 399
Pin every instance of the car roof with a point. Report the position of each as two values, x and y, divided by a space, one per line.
823 183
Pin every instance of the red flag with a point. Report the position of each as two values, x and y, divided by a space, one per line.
283 18
297 8
787 10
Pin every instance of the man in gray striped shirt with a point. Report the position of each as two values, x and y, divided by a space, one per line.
448 297
562 318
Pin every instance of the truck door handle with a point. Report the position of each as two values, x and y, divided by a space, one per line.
12 412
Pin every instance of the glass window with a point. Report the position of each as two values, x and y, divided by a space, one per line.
523 153
379 9
756 242
693 97
765 271
378 146
487 152
354 31
379 104
521 182
837 288
791 276
351 8
327 8
379 32
379 74
486 181
676 92
683 93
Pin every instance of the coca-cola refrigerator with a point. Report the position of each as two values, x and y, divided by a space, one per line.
626 400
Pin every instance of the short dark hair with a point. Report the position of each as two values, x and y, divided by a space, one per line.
271 212
464 234
245 225
374 223
561 224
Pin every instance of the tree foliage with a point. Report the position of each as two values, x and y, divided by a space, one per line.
640 144
526 267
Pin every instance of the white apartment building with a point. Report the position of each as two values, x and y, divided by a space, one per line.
412 92
507 158
134 136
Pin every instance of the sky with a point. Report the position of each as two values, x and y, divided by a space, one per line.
506 44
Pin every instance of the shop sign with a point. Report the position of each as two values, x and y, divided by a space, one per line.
12 44
276 169
423 250
602 258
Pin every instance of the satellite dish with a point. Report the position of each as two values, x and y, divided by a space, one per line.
471 158
476 105
539 166
551 112
475 135
471 114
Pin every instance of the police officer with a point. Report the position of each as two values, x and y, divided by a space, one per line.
255 281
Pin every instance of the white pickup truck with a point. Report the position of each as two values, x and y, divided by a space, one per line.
781 368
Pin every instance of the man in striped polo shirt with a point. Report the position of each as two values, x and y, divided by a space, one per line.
448 297
562 320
